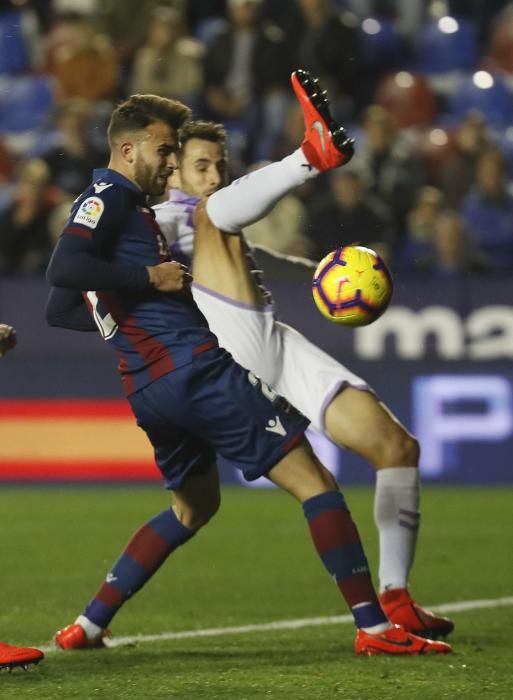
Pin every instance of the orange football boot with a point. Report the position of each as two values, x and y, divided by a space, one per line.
397 641
74 637
402 610
11 656
326 144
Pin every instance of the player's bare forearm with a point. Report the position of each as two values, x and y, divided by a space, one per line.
7 338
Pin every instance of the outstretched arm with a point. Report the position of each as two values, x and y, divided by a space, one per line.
292 259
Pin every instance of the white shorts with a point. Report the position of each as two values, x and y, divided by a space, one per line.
304 374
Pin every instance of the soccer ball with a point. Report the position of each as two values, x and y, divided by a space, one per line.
352 286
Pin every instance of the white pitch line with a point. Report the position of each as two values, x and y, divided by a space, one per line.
456 607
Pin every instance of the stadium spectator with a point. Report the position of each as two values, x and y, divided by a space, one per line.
457 176
81 7
84 62
6 166
388 164
452 252
24 238
127 22
345 214
70 158
169 62
203 18
327 45
246 71
189 395
420 227
488 210
421 219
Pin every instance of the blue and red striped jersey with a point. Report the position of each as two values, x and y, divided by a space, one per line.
109 239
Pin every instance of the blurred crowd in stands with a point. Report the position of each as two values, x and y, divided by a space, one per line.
426 88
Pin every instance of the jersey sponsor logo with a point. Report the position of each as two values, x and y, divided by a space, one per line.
275 426
100 186
319 129
90 212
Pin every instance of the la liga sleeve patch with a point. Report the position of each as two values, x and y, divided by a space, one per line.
90 212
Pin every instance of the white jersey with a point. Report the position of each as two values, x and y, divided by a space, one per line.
176 220
307 376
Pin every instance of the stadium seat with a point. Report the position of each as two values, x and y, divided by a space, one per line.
408 98
25 102
434 146
484 93
14 57
208 29
447 44
381 44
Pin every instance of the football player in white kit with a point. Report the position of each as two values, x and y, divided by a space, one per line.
229 292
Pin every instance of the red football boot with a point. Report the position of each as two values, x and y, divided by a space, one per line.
402 610
74 637
397 641
326 144
11 656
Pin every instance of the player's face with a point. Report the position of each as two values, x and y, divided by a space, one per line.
154 158
202 168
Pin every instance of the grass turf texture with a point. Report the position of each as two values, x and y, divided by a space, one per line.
253 564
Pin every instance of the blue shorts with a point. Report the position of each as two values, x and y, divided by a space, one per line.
211 407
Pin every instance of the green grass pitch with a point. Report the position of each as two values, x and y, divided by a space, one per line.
253 564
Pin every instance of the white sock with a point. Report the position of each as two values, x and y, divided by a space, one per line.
378 629
396 514
251 197
90 628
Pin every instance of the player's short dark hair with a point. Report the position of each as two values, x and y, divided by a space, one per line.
207 131
139 111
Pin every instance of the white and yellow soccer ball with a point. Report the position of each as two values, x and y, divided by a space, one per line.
352 286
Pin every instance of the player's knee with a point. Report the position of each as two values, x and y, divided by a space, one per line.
399 449
328 480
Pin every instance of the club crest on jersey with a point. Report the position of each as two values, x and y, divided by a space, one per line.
90 212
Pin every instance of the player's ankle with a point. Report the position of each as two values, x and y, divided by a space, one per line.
91 629
378 629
